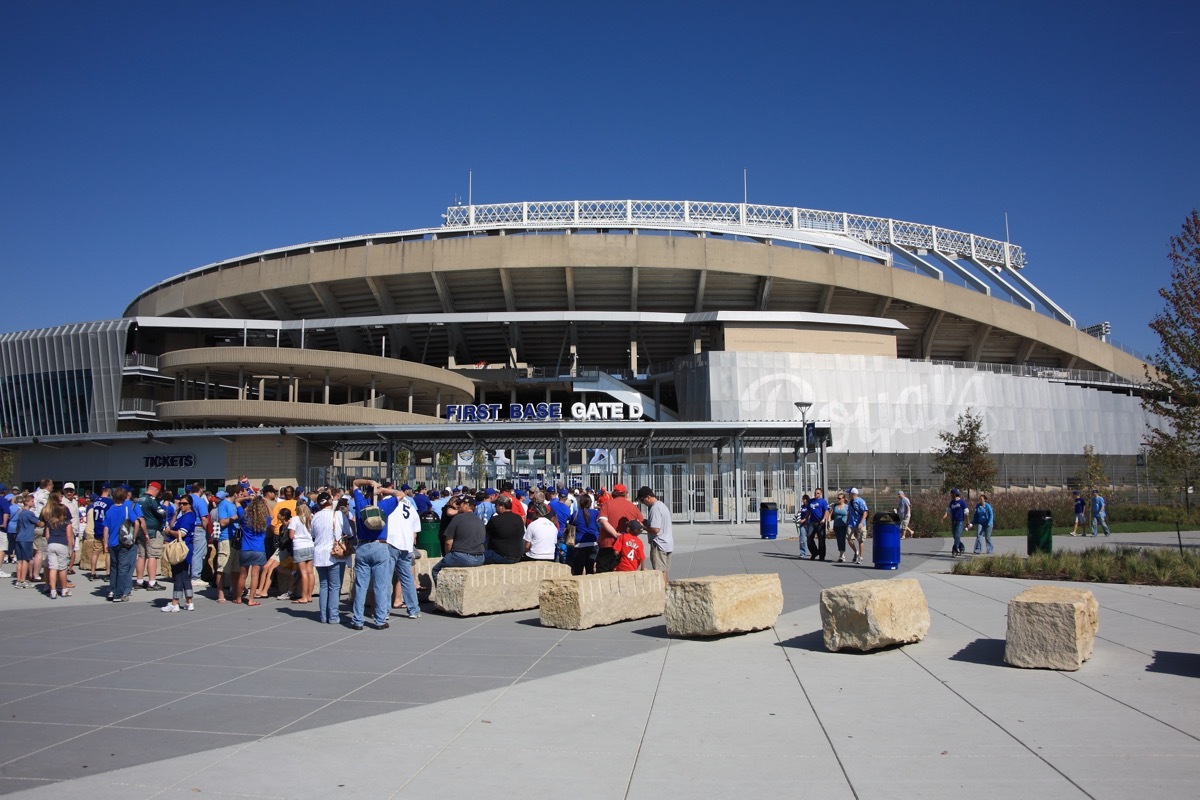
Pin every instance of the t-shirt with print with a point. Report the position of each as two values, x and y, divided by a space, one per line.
630 553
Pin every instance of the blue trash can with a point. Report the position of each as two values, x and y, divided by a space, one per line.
768 520
885 546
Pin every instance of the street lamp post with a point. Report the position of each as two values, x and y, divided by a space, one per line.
803 406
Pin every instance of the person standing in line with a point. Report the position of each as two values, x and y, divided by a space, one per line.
1099 512
327 529
587 535
302 550
485 505
904 511
957 512
659 529
840 513
857 525
200 534
26 525
253 557
71 501
60 538
541 535
631 553
1080 519
120 558
6 543
229 513
983 519
505 535
403 527
100 507
181 573
818 524
150 540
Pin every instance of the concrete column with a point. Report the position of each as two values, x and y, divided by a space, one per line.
633 355
574 360
262 387
326 387
292 396
439 404
410 398
372 392
206 382
241 395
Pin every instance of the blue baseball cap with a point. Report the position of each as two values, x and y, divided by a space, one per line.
106 485
563 492
404 487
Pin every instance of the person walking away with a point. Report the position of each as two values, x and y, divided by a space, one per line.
983 519
1080 519
857 525
253 557
200 534
840 514
587 535
818 524
181 573
100 507
1099 512
302 551
26 525
904 511
957 512
659 529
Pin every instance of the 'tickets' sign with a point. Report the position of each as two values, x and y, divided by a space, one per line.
164 462
540 412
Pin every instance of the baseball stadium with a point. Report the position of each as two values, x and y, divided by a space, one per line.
727 352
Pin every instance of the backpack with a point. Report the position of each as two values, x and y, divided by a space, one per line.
128 532
371 518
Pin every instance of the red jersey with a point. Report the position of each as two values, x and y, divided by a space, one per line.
518 507
630 553
619 511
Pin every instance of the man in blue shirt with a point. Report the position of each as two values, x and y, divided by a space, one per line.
120 559
957 512
1079 517
1099 512
818 522
485 508
229 513
421 500
983 519
373 562
562 511
856 524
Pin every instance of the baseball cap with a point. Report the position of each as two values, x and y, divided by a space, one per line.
490 491
645 492
127 487
155 485
620 489
221 495
106 485
520 493
563 492
955 492
633 526
404 487
853 490
68 487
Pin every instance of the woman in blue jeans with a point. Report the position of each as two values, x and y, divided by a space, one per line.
327 528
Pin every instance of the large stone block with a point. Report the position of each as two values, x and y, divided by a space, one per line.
423 565
719 604
1051 627
493 588
872 614
585 601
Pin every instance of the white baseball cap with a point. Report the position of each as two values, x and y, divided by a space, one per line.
853 491
67 486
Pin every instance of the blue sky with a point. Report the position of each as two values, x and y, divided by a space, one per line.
142 139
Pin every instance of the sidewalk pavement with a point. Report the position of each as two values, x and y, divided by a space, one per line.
121 702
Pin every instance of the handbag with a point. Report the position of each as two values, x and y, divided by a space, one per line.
342 548
175 552
569 533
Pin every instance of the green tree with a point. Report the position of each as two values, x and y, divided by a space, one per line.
8 467
445 460
1174 372
1092 475
964 458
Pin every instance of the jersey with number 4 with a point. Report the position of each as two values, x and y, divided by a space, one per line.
630 553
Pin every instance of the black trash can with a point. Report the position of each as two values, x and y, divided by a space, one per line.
768 520
428 539
885 547
1041 532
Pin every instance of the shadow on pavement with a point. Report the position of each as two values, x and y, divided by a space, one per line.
982 651
814 641
1173 663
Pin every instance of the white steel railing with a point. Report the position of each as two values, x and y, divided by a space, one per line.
877 231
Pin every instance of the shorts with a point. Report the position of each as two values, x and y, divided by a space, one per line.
150 548
253 558
24 551
221 558
302 554
58 557
234 562
659 559
39 544
1079 520
858 532
904 521
280 555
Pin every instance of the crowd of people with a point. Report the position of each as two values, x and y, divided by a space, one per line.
236 541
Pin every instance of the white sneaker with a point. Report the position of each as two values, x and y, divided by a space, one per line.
191 607
285 596
170 608
4 574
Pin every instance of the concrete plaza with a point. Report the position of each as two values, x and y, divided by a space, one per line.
104 700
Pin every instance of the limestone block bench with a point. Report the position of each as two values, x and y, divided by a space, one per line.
578 602
494 588
872 614
1051 627
721 604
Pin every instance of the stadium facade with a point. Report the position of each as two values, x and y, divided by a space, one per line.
680 342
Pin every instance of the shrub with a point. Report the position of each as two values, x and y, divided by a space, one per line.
1128 565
